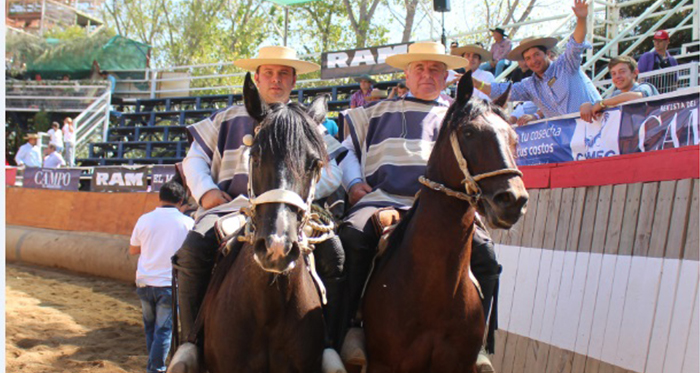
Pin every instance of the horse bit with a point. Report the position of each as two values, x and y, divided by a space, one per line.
473 191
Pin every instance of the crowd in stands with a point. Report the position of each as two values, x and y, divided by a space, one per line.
60 152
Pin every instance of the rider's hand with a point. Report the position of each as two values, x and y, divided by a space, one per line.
358 191
213 198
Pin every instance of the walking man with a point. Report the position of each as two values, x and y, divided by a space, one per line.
157 236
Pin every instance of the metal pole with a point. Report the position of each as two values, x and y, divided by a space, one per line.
443 38
286 24
43 15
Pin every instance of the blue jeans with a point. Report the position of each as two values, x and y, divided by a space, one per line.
500 66
156 303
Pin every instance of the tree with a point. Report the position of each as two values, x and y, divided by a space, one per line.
362 21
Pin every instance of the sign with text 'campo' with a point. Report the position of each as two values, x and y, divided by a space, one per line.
120 179
51 178
355 62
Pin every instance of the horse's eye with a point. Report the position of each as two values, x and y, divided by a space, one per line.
468 133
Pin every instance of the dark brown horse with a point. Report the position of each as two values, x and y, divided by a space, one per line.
422 312
266 314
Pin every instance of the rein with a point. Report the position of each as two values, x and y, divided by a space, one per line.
473 191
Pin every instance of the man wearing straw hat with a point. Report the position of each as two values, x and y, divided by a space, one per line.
558 87
476 55
216 172
391 136
362 97
29 154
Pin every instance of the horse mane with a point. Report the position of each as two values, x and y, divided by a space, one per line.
288 131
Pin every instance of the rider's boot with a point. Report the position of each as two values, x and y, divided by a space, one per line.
332 362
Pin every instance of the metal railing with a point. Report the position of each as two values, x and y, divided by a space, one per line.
89 123
665 80
52 96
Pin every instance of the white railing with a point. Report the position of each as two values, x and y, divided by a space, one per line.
52 96
92 119
665 80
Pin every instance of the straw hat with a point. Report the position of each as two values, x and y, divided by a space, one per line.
472 48
426 51
277 56
377 93
31 136
365 77
527 43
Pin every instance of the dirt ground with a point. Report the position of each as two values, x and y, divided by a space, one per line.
58 321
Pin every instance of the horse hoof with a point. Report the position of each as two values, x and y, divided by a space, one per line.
483 363
185 360
353 351
331 362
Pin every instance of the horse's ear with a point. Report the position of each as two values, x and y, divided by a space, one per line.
257 109
502 100
465 88
318 108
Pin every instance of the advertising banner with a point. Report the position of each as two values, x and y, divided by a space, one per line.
355 62
161 174
545 142
51 178
120 179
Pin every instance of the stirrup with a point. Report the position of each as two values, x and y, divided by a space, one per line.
331 362
483 363
354 352
186 360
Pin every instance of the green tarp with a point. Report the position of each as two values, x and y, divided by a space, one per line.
75 58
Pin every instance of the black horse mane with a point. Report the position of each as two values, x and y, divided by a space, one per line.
455 118
288 131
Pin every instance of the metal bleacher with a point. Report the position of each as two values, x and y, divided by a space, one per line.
153 130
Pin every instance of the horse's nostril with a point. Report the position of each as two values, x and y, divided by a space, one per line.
504 199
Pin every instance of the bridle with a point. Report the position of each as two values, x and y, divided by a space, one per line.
473 191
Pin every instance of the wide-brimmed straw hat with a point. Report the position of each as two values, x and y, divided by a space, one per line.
473 48
377 93
31 136
426 51
365 77
527 43
276 55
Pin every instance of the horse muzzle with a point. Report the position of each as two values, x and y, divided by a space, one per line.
276 254
505 207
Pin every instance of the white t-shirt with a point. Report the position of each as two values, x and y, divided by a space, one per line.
160 233
68 134
56 137
54 160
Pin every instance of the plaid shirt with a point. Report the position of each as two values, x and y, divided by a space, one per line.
500 49
561 90
358 99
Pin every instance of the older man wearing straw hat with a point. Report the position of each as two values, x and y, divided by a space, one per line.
29 154
216 171
390 137
558 87
476 55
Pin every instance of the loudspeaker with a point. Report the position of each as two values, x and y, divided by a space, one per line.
441 5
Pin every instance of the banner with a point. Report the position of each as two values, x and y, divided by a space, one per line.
51 178
355 62
161 174
663 124
120 179
641 127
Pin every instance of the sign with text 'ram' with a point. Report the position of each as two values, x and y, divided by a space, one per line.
355 62
120 179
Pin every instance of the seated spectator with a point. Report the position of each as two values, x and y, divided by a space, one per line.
499 50
359 98
476 55
56 136
400 91
659 58
521 72
53 158
624 72
556 87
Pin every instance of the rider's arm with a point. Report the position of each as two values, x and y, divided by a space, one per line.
330 179
196 166
352 171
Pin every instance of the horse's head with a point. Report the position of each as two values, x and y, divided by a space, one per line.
477 149
286 158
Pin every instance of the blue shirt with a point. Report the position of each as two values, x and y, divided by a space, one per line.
645 88
561 90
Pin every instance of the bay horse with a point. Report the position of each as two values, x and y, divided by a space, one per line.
266 315
422 312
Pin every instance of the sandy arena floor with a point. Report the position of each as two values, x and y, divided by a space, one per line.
57 321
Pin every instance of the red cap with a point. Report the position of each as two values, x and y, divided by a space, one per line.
661 35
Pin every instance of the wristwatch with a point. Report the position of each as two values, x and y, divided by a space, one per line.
602 104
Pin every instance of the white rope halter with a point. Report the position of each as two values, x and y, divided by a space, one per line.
471 186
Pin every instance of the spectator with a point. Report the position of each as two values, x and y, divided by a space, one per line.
359 98
499 50
521 72
659 58
69 141
157 236
29 154
476 55
53 158
331 126
56 136
400 91
556 87
112 80
624 72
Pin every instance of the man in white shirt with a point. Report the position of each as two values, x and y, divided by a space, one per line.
476 55
157 235
29 154
53 158
56 136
